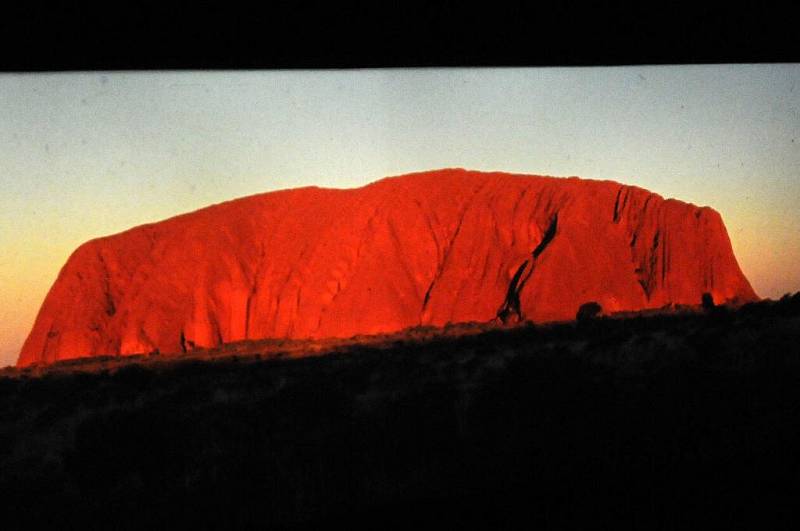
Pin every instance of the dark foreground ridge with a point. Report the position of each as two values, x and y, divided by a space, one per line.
644 422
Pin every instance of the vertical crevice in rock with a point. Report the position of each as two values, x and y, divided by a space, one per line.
427 295
247 312
253 291
615 219
216 328
646 201
548 236
110 307
647 271
511 305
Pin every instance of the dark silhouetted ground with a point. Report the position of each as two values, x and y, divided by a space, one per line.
650 422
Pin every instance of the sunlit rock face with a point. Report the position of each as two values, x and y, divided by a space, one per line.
420 249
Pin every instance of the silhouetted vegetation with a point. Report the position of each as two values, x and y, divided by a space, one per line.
587 311
707 301
658 421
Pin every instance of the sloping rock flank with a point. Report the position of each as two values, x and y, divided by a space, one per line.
420 249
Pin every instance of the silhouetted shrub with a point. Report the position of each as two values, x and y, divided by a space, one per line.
789 304
707 301
587 311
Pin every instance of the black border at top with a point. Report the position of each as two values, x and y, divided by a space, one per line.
70 36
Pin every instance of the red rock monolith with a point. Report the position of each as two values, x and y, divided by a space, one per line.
420 249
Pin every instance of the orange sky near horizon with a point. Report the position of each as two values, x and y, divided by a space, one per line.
87 155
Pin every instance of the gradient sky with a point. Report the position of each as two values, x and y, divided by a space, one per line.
89 154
